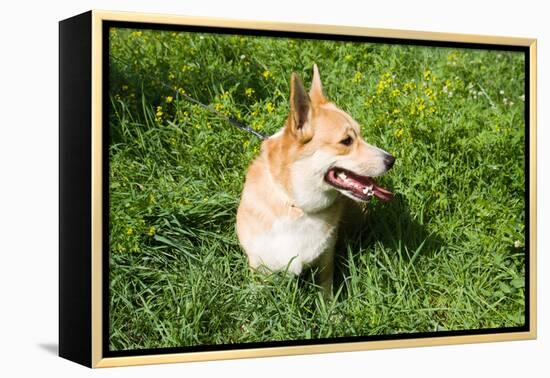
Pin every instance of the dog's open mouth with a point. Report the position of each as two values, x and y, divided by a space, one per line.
361 187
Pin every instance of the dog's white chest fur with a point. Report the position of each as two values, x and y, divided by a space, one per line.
292 244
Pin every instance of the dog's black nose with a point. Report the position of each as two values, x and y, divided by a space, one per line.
389 160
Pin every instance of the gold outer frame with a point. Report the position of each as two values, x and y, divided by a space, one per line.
98 16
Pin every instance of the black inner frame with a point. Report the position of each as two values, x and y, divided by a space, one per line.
106 25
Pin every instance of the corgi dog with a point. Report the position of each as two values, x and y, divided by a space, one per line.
295 191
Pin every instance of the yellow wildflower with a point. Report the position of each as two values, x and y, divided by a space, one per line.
395 93
249 92
152 231
270 107
169 99
159 113
380 87
427 74
384 83
399 132
430 93
267 74
409 86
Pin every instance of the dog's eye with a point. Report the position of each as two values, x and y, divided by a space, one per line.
347 142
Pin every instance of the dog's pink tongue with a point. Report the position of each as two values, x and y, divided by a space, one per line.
382 193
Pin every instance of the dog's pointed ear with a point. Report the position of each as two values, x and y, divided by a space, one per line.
316 90
300 108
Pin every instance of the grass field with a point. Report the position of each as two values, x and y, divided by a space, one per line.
446 254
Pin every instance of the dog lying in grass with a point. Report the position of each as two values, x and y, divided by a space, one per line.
295 191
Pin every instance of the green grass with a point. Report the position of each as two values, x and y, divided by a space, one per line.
446 254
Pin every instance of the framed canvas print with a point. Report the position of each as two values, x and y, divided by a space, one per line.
235 189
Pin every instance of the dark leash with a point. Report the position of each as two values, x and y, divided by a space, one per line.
231 120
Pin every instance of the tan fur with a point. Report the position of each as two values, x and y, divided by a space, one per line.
288 217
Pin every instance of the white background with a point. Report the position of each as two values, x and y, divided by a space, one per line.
29 189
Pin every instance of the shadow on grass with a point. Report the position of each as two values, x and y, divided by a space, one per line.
391 225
